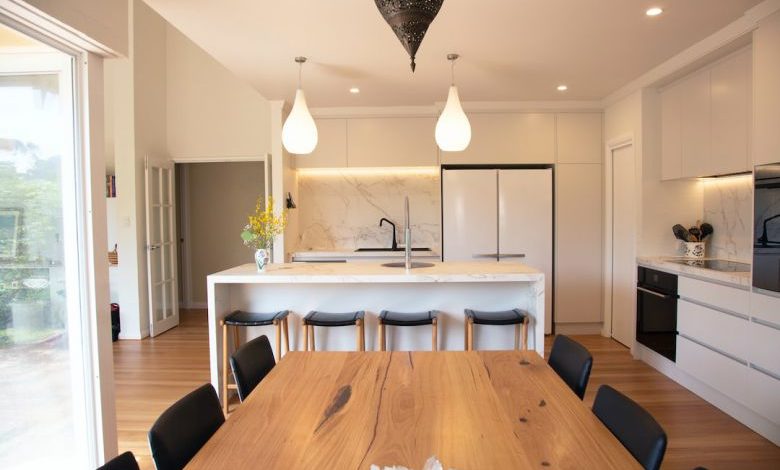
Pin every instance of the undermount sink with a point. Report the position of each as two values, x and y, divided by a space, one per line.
391 249
401 264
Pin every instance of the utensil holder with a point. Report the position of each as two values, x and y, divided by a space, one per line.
693 249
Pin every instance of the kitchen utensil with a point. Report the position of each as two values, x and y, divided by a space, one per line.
706 230
680 233
696 233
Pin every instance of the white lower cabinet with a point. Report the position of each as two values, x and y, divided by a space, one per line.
764 395
725 331
720 372
765 348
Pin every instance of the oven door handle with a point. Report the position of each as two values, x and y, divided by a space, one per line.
648 291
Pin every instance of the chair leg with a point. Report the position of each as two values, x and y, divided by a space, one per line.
435 335
517 336
278 328
361 336
471 334
381 335
525 334
311 337
286 327
305 337
224 368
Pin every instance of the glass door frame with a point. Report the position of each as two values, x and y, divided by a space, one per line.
85 227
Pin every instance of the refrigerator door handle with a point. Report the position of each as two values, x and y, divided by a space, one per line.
485 255
511 255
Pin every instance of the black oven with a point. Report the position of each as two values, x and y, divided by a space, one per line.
656 311
766 228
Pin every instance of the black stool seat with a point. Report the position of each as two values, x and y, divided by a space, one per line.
315 318
241 318
504 317
387 317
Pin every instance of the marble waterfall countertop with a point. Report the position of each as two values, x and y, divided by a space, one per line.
738 279
324 273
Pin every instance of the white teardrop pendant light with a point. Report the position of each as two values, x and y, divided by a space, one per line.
453 130
299 133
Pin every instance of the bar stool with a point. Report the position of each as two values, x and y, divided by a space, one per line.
315 318
239 318
387 317
516 317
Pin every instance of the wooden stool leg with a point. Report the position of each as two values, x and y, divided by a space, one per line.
305 337
381 334
278 328
471 334
224 368
236 339
466 334
311 337
435 335
361 338
525 334
286 327
517 336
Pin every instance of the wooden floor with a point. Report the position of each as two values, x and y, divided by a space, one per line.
153 373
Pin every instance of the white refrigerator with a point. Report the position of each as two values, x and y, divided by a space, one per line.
500 215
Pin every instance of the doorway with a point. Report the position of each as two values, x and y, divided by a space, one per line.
621 222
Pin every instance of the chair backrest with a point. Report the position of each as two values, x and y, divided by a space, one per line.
124 461
250 364
572 362
634 427
182 429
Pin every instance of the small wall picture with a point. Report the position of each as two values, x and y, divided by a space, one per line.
10 222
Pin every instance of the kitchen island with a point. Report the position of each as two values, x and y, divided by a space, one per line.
339 287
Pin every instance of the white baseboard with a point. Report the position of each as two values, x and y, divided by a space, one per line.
578 328
732 408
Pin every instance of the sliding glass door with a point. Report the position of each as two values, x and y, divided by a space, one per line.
45 358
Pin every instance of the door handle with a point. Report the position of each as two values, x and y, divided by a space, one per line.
648 291
485 255
511 255
153 247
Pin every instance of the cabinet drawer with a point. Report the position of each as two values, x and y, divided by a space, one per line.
764 395
716 370
765 307
765 348
720 330
727 298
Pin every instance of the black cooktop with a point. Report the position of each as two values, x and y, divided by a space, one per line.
715 264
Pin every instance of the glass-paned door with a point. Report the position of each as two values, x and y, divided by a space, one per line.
45 358
161 247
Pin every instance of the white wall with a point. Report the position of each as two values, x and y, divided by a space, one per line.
105 21
219 196
211 113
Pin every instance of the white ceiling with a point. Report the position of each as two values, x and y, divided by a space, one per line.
511 50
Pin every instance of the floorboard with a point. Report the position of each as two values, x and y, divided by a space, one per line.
153 373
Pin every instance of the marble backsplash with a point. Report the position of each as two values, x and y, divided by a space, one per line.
728 206
340 209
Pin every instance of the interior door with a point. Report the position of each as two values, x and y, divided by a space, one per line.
623 242
525 224
161 247
469 210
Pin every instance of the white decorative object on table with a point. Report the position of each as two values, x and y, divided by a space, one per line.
261 259
431 464
693 249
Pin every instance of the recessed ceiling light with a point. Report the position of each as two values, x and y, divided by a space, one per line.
562 88
654 11
354 90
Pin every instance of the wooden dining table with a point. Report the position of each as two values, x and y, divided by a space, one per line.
472 410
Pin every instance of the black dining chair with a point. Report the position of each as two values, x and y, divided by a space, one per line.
250 364
634 427
180 432
572 362
125 461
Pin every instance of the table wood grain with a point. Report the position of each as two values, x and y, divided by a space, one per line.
473 410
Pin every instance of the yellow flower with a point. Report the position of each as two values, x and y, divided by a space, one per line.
263 225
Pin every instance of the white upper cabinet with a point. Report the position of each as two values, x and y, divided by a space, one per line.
695 125
706 120
389 142
508 138
766 95
730 87
579 138
331 150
